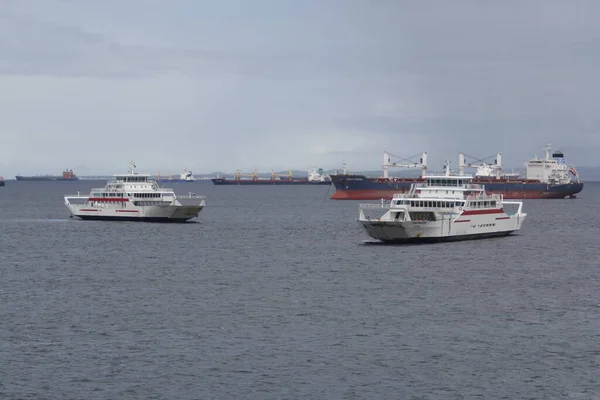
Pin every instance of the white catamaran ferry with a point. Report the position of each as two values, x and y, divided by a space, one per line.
442 208
135 197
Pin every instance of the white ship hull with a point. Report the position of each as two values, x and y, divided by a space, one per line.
450 229
174 213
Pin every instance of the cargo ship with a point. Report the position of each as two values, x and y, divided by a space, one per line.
315 177
67 175
185 176
545 178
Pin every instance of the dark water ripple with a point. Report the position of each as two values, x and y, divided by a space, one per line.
273 295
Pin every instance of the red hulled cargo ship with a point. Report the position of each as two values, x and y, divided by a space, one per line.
545 178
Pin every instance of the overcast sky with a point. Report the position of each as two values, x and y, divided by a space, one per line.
220 85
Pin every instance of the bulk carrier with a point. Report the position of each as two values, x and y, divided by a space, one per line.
67 175
315 177
545 178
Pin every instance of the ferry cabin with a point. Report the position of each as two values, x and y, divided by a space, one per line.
137 188
440 197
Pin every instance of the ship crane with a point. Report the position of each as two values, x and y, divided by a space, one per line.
274 175
238 174
387 163
481 164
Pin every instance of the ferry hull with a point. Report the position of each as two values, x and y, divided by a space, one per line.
143 214
132 219
358 187
259 182
456 238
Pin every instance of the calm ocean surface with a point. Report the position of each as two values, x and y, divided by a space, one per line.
273 295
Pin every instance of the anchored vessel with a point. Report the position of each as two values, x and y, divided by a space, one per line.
315 177
185 176
67 175
135 197
2 182
442 208
546 178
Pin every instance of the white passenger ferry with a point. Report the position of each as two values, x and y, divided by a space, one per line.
135 197
443 207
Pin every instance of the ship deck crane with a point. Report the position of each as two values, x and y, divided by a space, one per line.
238 174
387 163
274 175
479 163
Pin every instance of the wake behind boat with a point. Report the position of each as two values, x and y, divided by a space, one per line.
135 197
442 208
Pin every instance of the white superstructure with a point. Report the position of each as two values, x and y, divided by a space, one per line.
442 207
317 175
187 176
135 197
551 169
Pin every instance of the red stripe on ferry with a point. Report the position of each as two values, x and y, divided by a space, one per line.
108 199
127 211
464 220
479 212
503 218
88 209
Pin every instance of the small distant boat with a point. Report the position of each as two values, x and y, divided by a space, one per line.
2 181
185 176
135 197
67 175
442 208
